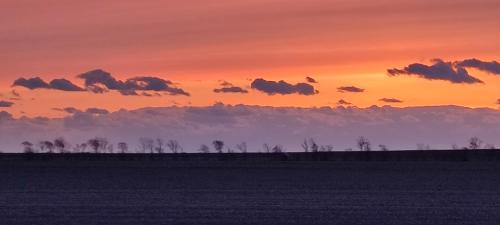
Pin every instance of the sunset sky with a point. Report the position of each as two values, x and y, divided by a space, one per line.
199 44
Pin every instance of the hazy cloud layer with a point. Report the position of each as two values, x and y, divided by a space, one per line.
6 104
439 70
398 128
282 87
350 89
492 67
390 100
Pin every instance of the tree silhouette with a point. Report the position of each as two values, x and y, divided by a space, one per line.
314 146
383 147
204 149
28 147
242 147
218 145
475 143
60 144
123 147
98 144
174 146
363 144
160 146
47 146
305 145
146 144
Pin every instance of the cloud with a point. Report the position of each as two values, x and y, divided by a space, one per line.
492 67
6 104
343 102
350 89
390 100
229 88
99 81
282 87
31 83
439 70
97 111
38 83
64 85
311 80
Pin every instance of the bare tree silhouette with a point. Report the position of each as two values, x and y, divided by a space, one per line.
28 147
123 147
218 145
383 147
174 146
61 145
46 146
363 144
242 147
314 146
305 145
98 144
204 149
146 145
475 143
267 148
160 146
79 148
278 149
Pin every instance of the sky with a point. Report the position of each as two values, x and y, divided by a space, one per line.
129 55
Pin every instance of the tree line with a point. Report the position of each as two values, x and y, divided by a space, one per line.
101 145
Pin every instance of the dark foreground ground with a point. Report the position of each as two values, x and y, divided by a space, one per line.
197 189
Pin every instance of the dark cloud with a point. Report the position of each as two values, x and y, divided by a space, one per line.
32 83
390 100
101 77
350 89
282 87
230 89
439 70
343 102
492 67
6 104
498 101
97 111
64 85
38 83
311 80
99 81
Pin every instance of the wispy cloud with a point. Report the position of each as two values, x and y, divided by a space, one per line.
352 89
390 100
6 104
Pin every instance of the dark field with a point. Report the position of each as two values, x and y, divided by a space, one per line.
84 189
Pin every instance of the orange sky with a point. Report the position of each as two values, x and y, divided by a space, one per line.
196 43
